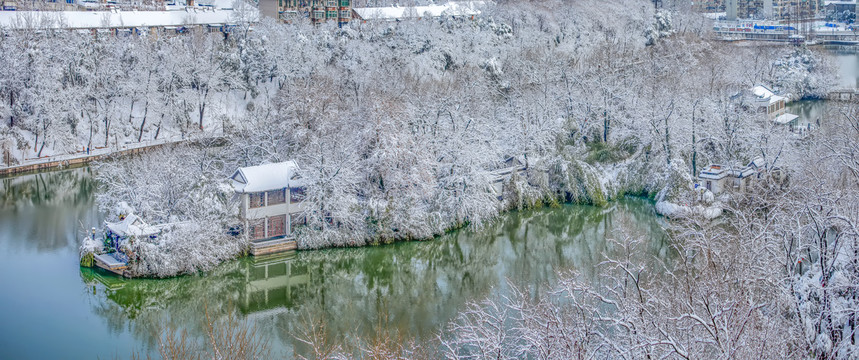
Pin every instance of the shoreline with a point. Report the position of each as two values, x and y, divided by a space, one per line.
57 162
538 206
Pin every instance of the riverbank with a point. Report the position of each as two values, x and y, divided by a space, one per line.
85 157
562 181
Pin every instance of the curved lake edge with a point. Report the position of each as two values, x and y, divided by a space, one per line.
418 285
387 282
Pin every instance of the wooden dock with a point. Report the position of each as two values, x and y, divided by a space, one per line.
271 246
110 263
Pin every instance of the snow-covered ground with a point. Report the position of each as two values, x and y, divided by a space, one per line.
113 19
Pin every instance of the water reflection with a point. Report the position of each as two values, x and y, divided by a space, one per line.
847 60
416 287
44 212
811 114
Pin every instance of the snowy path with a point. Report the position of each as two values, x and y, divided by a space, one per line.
83 157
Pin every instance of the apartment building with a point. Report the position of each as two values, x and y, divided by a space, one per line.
318 11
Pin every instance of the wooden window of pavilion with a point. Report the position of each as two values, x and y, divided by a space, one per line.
276 197
277 226
256 200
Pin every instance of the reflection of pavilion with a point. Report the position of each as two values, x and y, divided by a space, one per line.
91 276
273 281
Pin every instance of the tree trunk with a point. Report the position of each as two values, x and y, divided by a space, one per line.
143 123
41 147
202 110
694 142
89 141
11 108
203 106
106 131
131 111
668 134
605 126
667 141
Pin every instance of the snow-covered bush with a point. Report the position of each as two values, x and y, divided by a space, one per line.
804 73
184 248
662 27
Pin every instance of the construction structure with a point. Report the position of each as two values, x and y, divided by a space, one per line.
318 11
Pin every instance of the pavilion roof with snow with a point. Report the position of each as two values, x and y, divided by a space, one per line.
132 225
765 94
718 172
266 177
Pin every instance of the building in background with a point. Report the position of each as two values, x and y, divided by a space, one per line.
841 6
762 9
766 101
318 11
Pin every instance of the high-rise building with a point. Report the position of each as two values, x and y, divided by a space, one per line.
762 9
318 11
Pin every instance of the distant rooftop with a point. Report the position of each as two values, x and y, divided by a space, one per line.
717 171
766 94
453 8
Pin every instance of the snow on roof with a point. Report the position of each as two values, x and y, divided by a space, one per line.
758 162
714 15
453 8
217 4
266 177
132 225
111 19
718 172
785 118
828 2
713 172
764 93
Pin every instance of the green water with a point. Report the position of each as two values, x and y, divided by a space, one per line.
51 308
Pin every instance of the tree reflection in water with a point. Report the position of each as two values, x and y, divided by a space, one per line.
413 288
44 211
